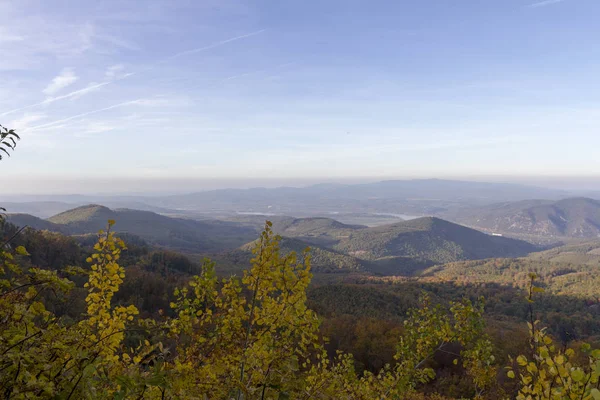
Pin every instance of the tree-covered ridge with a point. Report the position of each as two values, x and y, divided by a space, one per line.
322 259
403 248
324 231
574 253
177 233
568 278
36 223
316 230
573 217
431 241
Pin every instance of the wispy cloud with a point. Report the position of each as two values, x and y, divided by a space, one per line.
544 3
53 99
150 67
85 114
212 46
66 78
25 121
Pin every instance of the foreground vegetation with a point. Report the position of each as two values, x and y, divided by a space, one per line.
243 338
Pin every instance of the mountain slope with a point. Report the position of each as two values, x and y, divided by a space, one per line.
323 260
35 223
315 230
587 253
573 217
322 231
424 242
562 278
40 209
177 233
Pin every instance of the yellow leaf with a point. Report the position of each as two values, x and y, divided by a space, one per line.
20 250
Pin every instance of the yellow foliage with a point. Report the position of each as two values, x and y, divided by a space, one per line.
249 337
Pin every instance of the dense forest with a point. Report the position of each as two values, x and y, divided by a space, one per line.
146 323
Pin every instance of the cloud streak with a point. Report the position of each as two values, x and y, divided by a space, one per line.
85 114
544 3
212 46
57 98
152 66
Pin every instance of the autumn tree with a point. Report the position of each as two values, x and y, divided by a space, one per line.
553 372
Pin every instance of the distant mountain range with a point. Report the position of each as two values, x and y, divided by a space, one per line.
413 197
416 197
573 217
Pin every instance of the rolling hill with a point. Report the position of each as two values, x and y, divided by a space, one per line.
404 248
587 253
410 245
322 259
573 217
176 233
559 278
40 209
321 231
317 230
35 223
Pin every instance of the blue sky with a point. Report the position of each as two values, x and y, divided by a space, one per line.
149 91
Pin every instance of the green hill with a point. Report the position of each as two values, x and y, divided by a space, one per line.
559 278
576 253
567 270
176 233
84 218
574 218
319 230
424 242
322 231
322 259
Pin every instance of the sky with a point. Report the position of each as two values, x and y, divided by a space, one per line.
181 94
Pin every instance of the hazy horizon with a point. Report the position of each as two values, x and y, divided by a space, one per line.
151 187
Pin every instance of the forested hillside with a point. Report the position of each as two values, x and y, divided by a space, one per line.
177 233
573 217
367 319
427 241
